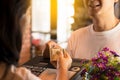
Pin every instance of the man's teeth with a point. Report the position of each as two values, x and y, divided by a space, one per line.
94 5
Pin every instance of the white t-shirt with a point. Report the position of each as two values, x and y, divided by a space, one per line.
85 43
15 73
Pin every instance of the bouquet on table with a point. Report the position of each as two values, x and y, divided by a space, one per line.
104 66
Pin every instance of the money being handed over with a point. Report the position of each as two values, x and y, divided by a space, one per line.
54 53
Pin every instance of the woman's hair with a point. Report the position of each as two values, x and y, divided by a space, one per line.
10 29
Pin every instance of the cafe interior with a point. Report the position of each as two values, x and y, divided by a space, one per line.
53 20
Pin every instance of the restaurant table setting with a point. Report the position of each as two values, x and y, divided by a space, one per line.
42 67
103 66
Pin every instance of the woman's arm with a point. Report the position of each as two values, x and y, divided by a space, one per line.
62 74
63 64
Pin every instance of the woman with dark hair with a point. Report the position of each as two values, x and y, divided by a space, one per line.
11 41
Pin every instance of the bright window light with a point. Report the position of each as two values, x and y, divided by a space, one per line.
41 19
65 11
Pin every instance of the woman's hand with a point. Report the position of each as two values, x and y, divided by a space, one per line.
64 61
63 64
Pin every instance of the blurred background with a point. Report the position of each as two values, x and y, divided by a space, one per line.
55 20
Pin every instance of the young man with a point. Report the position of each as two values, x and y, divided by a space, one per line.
85 42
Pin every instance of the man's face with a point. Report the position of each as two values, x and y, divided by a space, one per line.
99 7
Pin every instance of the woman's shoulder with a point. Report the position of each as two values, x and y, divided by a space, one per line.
21 73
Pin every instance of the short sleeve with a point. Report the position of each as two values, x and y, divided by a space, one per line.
69 46
22 73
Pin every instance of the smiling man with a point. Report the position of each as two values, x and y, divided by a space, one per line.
85 42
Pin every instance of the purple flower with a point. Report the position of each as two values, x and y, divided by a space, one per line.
105 49
103 68
100 54
83 72
100 61
117 73
114 53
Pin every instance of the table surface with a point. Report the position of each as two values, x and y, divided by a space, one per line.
44 63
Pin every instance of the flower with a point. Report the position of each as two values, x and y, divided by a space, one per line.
104 66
